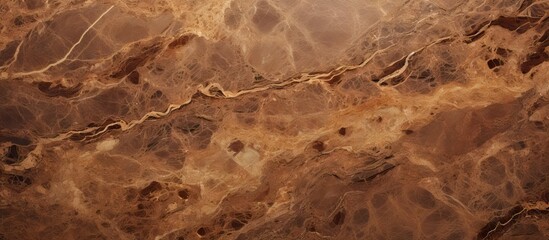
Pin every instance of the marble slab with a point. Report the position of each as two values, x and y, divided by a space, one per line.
274 119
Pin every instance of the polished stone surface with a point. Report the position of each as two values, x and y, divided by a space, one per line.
274 119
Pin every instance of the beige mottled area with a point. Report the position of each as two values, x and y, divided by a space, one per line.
274 119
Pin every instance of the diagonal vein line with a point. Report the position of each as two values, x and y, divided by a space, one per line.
70 50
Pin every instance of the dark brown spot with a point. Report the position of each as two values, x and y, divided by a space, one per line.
492 63
152 187
157 94
183 194
425 74
78 136
519 145
112 127
236 225
335 80
12 155
258 78
339 218
59 90
236 146
181 41
342 131
18 21
13 152
319 146
518 24
201 231
134 77
136 61
408 131
539 125
503 52
533 60
216 92
18 180
396 80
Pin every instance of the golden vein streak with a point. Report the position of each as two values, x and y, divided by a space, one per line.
70 50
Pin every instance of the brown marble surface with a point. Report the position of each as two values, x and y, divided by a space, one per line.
274 119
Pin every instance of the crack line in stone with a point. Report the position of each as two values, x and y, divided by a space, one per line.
406 62
32 158
70 50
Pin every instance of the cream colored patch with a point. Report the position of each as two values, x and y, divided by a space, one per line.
172 206
423 162
541 114
41 189
249 159
107 145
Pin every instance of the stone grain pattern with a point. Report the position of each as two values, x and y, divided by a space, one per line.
274 119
